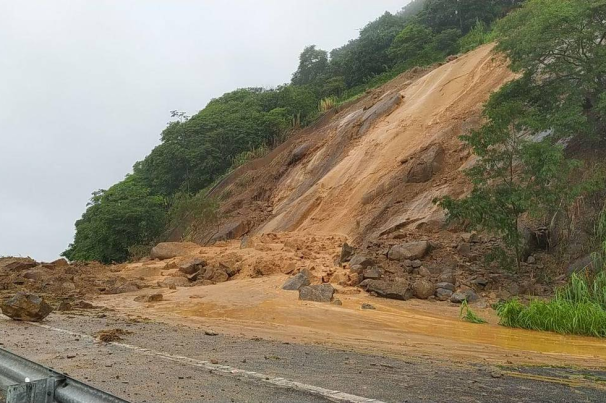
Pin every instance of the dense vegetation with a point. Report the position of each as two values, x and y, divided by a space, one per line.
559 49
196 151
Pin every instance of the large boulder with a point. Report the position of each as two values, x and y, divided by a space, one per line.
26 307
169 250
399 289
427 165
347 252
317 293
231 230
409 251
296 282
423 289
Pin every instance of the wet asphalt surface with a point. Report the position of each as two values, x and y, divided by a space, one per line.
138 377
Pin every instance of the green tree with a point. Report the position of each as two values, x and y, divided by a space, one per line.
126 214
516 173
410 43
560 47
313 66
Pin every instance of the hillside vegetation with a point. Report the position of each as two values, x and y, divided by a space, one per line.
197 151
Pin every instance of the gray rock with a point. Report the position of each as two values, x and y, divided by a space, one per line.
579 265
480 282
317 293
347 252
191 266
359 260
409 251
423 271
368 306
427 165
357 269
417 264
399 289
373 273
467 295
296 282
298 153
447 277
531 260
337 302
446 286
423 289
443 294
26 307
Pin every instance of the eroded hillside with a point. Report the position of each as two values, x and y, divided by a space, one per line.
376 166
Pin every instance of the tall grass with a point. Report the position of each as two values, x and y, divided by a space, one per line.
468 315
327 104
578 308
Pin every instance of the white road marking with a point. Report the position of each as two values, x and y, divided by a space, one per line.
332 395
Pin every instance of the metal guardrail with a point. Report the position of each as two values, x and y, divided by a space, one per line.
24 381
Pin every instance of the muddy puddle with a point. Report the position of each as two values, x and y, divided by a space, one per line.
259 308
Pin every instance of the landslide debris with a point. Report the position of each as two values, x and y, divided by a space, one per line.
26 307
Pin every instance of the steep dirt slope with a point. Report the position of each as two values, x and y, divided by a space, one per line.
377 165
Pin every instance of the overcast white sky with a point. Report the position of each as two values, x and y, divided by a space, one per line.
86 87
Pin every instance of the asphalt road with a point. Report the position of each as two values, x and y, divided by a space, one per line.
161 363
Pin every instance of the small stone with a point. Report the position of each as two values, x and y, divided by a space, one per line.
337 301
214 361
368 306
423 271
447 276
531 260
496 374
416 264
359 260
209 332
